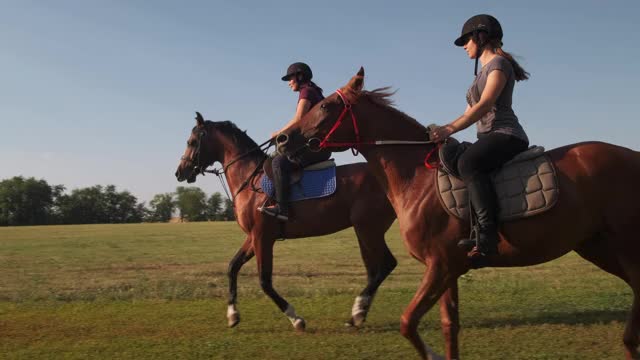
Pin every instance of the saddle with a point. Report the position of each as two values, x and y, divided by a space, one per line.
315 181
296 173
526 185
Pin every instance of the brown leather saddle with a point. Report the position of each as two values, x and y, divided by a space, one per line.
296 173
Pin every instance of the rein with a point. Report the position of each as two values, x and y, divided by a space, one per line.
348 108
220 172
199 169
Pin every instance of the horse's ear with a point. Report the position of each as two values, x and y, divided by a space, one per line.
199 119
357 82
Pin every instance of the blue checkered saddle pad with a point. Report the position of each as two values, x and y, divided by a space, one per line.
313 184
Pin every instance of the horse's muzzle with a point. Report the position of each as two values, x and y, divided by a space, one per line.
189 176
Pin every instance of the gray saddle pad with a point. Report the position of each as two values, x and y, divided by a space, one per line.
524 188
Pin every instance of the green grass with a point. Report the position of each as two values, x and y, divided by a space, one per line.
158 291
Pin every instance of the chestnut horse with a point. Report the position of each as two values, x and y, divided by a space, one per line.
358 202
596 214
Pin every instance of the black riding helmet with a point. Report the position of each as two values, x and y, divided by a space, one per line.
478 23
474 26
298 68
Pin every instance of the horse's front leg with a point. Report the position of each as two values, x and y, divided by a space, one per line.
264 257
244 254
435 282
450 320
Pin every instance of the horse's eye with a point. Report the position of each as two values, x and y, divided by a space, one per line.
323 106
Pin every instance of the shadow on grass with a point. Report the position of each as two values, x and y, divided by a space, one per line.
588 317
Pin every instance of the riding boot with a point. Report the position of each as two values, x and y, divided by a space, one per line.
281 169
484 205
282 195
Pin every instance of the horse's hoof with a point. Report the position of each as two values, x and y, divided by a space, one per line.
349 323
299 325
233 319
358 320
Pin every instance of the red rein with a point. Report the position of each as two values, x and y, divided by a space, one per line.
429 165
354 145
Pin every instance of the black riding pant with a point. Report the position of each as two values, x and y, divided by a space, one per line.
489 153
486 155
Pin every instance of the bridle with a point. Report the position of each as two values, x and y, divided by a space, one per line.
201 169
194 159
348 108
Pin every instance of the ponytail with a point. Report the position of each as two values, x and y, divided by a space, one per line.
520 73
311 83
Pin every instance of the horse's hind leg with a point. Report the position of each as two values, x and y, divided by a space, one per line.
632 329
631 337
601 254
379 263
242 256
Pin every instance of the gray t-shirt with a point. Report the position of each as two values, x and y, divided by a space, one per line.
501 118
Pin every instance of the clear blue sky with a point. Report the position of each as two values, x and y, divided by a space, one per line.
104 92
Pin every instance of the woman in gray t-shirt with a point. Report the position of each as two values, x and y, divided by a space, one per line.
500 135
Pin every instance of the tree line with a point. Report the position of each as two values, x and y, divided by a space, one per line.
28 201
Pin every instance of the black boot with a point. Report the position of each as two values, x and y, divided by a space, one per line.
484 205
281 168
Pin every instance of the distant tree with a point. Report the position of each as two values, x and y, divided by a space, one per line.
214 207
162 207
83 206
228 214
121 207
26 201
99 205
145 213
191 203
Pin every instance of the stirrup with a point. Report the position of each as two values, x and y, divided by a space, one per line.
274 211
472 241
467 244
477 258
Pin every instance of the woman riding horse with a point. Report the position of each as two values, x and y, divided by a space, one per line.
500 135
299 76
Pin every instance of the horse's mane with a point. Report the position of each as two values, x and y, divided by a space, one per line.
239 137
382 97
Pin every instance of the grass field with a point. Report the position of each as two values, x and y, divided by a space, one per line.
158 291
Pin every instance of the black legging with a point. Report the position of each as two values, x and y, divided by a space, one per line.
484 156
489 153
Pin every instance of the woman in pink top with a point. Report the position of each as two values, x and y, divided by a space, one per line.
299 76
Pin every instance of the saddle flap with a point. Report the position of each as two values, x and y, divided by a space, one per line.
314 184
523 188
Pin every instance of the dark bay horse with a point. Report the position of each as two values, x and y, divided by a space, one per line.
596 214
358 202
